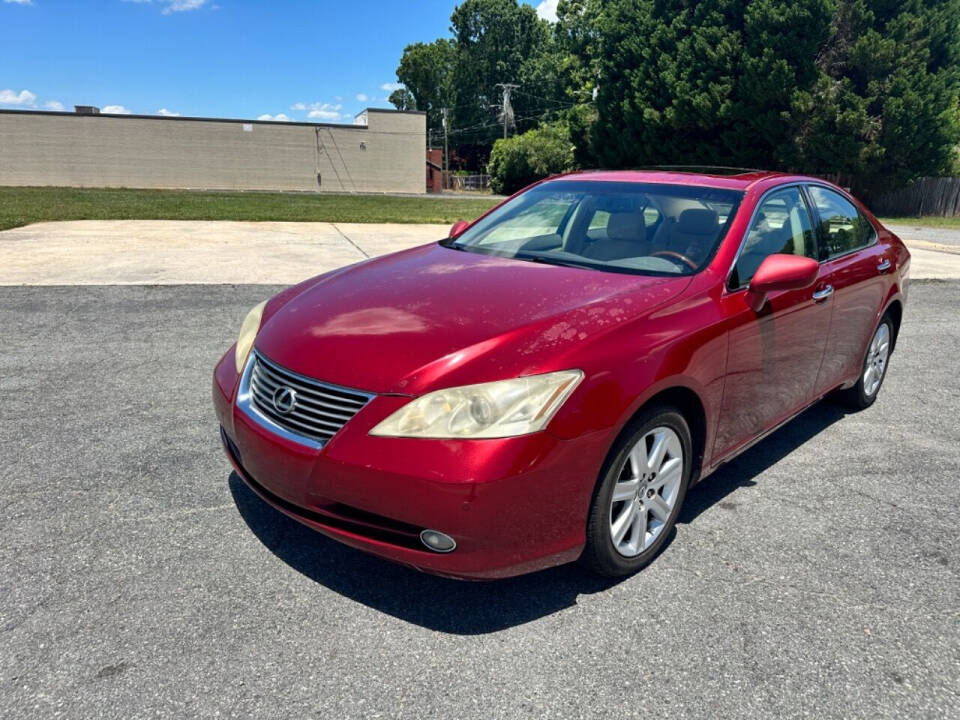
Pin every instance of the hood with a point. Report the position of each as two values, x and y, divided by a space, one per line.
434 317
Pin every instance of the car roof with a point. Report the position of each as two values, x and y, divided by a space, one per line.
729 178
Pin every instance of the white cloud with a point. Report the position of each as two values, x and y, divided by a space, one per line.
54 105
167 113
19 2
323 111
548 10
361 97
390 87
115 110
173 6
320 111
279 117
323 115
24 97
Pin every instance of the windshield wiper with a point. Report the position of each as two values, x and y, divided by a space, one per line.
547 260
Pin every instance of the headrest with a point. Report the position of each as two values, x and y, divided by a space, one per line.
697 221
626 226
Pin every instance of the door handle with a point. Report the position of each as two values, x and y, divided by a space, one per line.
823 294
883 266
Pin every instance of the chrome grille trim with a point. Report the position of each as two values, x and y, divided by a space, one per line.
319 412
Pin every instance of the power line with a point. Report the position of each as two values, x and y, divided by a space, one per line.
536 113
564 103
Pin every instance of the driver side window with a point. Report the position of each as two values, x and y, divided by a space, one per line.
781 225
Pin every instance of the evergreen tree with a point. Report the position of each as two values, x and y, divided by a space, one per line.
865 89
883 109
709 82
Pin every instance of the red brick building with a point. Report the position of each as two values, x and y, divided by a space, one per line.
434 170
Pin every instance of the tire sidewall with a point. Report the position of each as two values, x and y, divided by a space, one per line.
599 551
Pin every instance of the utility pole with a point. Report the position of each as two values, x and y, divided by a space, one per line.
507 88
446 150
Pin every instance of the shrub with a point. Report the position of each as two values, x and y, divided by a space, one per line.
518 161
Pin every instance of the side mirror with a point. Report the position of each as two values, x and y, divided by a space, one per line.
458 227
780 272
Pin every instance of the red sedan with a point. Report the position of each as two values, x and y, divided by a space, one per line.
546 383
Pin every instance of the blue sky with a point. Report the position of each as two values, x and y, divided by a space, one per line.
308 60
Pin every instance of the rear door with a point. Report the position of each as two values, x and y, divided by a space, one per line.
853 266
774 355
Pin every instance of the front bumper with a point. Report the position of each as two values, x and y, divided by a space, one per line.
513 505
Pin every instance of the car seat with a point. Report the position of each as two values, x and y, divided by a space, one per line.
692 234
626 238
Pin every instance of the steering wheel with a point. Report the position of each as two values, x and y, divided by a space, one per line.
676 256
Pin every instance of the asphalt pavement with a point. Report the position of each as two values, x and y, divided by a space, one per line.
816 576
938 236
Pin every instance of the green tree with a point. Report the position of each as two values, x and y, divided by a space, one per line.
426 70
580 120
520 160
494 39
577 34
564 71
703 82
503 41
866 88
883 109
402 99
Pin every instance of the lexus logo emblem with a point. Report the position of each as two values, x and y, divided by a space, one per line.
284 399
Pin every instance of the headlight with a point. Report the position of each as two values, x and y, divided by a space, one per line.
248 333
488 410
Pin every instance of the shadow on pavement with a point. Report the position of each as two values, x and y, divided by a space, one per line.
453 606
468 608
741 471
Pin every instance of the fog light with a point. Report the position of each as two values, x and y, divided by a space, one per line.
437 541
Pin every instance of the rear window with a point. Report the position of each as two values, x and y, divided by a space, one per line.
842 226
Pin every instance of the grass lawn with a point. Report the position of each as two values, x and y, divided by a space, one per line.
24 205
927 221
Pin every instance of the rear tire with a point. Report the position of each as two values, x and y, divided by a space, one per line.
639 493
873 370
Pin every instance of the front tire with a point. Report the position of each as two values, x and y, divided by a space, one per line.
874 368
639 493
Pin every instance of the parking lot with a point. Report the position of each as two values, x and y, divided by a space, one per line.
815 576
172 252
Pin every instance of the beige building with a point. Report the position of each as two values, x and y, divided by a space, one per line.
382 151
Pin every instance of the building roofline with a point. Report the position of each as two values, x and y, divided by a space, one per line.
293 123
393 110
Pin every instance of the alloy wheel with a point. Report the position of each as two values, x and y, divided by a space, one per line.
876 363
646 491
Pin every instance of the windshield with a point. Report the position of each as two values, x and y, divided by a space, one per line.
636 228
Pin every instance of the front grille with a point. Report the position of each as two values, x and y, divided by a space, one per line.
318 411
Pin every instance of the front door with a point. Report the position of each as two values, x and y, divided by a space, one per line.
773 356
